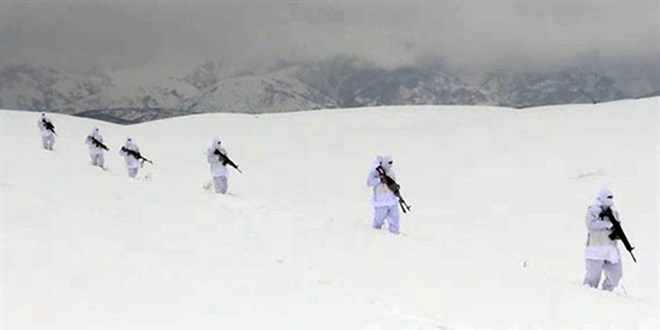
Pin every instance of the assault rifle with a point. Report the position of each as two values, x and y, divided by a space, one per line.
48 125
225 160
98 143
617 232
136 155
394 187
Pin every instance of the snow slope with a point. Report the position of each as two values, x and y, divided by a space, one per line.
494 241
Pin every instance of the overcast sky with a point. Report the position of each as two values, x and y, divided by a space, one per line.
472 34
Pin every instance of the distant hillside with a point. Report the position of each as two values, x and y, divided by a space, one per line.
339 82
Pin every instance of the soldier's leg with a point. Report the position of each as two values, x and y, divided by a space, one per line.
217 184
51 142
132 172
380 213
594 268
613 274
44 142
393 219
223 185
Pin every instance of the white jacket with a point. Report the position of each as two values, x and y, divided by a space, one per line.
599 245
93 148
42 127
218 169
382 196
131 162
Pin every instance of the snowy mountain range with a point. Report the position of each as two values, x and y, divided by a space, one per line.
339 82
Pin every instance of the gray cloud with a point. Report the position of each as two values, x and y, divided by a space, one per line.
474 35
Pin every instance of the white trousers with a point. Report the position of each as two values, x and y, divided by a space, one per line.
391 213
613 273
48 141
220 184
97 159
132 172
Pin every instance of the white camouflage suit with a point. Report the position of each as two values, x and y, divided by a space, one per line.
602 253
384 201
47 136
95 152
132 163
219 170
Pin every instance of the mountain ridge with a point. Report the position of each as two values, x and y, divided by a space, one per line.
340 82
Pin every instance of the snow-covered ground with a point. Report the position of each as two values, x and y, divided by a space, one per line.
495 239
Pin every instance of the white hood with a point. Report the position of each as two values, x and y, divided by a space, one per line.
605 197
